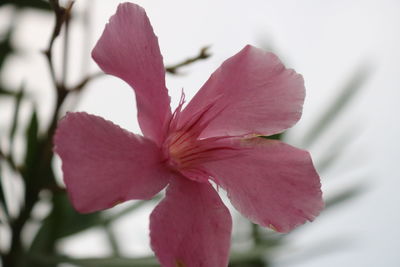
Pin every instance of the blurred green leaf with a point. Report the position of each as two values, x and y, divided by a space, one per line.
345 195
258 262
333 152
6 92
129 209
62 221
5 46
327 246
38 4
347 94
69 220
255 257
97 262
278 136
2 196
32 144
17 106
112 240
245 259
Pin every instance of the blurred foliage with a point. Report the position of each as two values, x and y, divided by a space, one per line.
5 47
63 221
5 50
37 4
3 204
338 105
18 100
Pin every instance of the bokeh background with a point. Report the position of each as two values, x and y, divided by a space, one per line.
348 53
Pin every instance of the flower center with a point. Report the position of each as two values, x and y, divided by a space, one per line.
185 152
188 155
180 150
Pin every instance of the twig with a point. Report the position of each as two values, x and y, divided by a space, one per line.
65 48
61 15
85 81
203 54
59 19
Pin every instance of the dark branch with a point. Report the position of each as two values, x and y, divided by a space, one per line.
85 81
62 14
203 54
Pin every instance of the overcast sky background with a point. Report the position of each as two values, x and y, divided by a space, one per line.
325 41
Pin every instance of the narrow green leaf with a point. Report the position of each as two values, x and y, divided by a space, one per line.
345 97
38 4
138 204
97 262
333 152
345 195
278 136
62 221
6 92
17 106
2 195
32 144
256 262
243 259
112 241
5 47
263 237
255 257
327 246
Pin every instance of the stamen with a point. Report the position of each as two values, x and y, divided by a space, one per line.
183 149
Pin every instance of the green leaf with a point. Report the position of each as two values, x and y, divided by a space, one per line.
333 151
112 241
347 94
345 195
138 204
62 221
2 195
17 106
69 220
278 136
243 259
6 92
5 47
38 4
97 262
253 257
32 145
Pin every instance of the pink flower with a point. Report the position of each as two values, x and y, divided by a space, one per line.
213 138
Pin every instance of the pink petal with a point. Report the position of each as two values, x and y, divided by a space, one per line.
129 49
191 226
251 93
104 165
273 184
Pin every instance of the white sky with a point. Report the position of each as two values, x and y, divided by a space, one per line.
323 40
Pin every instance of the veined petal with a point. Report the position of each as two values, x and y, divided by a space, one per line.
104 165
129 50
191 226
273 184
251 93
